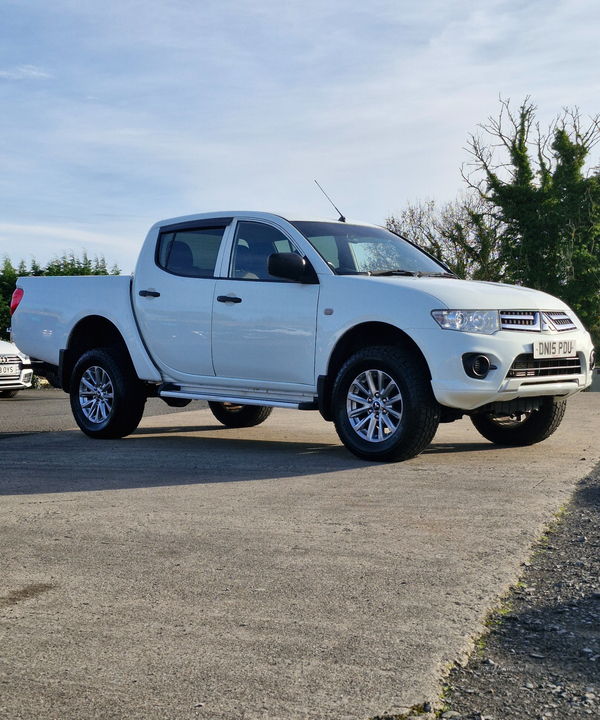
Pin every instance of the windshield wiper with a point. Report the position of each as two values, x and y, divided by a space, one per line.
398 272
438 274
404 273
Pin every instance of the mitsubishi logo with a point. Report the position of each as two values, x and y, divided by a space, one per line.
547 324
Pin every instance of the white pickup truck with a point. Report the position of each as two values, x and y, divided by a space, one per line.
252 311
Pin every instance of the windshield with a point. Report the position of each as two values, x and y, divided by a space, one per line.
352 249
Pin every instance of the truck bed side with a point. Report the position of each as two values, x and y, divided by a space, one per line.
52 307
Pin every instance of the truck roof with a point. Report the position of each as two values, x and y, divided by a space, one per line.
255 214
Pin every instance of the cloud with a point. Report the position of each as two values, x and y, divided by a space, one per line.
163 108
25 72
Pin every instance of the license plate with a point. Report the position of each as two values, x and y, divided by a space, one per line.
554 349
9 370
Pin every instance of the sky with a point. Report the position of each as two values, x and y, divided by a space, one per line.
119 113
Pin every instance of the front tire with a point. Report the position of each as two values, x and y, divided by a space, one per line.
8 393
239 416
521 429
383 406
107 398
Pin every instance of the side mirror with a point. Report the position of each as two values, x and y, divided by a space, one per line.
292 266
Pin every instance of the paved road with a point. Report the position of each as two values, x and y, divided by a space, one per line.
195 571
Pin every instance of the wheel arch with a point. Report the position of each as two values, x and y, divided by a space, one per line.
90 333
364 335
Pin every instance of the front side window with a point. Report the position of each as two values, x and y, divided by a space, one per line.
353 249
253 244
190 252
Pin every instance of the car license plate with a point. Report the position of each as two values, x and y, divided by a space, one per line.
554 349
8 370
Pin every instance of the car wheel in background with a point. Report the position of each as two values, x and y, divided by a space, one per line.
520 429
239 416
8 393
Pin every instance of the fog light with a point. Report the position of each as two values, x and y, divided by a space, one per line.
476 366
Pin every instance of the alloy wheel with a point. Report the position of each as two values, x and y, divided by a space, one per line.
96 394
374 406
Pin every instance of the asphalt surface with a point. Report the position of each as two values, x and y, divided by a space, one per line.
194 571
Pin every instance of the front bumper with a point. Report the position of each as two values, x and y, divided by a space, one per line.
444 349
18 382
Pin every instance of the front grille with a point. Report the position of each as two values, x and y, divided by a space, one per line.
558 321
525 366
535 321
10 360
520 320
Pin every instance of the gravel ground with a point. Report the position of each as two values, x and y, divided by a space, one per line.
541 656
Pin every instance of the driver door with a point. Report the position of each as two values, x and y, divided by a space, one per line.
264 328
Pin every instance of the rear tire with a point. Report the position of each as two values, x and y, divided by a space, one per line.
53 380
521 429
107 397
239 416
383 405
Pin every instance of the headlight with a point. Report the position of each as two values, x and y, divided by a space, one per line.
475 321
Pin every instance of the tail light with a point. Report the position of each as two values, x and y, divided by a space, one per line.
17 296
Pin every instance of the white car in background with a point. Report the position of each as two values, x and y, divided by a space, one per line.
15 370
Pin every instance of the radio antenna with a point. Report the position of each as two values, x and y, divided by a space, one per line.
341 217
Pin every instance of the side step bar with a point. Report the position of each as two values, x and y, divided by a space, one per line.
170 390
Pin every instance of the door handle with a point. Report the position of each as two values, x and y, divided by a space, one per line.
228 298
149 293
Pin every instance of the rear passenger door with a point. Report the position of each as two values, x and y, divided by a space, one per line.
173 295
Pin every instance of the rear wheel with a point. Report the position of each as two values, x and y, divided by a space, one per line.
520 429
107 398
53 379
239 416
383 405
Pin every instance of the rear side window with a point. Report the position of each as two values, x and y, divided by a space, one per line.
190 252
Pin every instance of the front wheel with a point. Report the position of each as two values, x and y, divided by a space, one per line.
8 393
383 406
107 398
239 416
521 429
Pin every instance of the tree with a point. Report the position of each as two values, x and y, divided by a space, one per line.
66 264
537 187
8 279
464 234
530 214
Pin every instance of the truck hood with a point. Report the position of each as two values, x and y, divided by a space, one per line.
472 295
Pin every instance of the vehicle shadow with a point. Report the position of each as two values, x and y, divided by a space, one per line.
71 462
443 448
168 455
